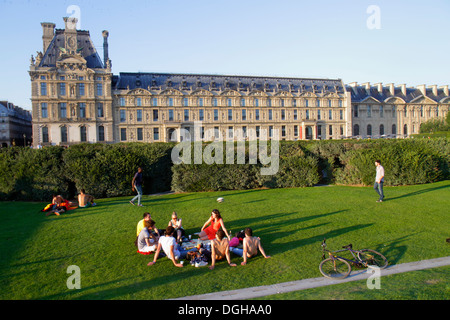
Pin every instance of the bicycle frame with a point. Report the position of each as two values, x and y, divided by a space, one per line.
333 254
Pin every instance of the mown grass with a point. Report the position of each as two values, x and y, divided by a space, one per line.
411 225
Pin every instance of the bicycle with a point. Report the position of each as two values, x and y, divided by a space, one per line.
337 267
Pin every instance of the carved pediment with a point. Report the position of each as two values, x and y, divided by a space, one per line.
331 95
171 92
232 93
257 93
395 100
201 92
139 91
370 100
308 94
283 94
423 100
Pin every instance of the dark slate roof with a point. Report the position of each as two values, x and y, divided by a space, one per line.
359 93
14 111
163 81
89 53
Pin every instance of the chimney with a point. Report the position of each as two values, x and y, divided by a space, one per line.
422 89
391 88
434 89
105 34
445 89
71 24
403 88
379 87
367 86
48 32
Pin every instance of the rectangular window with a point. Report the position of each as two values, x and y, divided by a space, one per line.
155 115
216 132
100 110
229 102
382 111
294 103
318 115
62 110
341 115
43 89
101 133
306 103
330 114
244 132
139 102
123 134
170 114
64 134
170 102
155 102
216 114
258 129
295 131
355 111
215 102
62 89
230 132
44 110
369 111
82 109
270 131
230 114
99 89
307 115
242 102
185 102
270 114
283 114
45 138
256 102
81 90
295 114
139 115
155 134
329 103
200 102
186 114
140 134
201 114
244 114
283 131
269 102
122 102
330 130
83 134
257 114
123 116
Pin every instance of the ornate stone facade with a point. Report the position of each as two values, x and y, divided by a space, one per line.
76 98
70 89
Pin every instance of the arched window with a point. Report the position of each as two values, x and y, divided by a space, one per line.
45 138
101 133
356 130
405 129
63 134
394 129
381 129
369 129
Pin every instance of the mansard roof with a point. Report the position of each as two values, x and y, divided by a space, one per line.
194 82
361 93
87 50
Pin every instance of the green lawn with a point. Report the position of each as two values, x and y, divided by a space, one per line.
411 225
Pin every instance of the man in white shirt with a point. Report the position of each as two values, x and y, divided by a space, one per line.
379 180
170 248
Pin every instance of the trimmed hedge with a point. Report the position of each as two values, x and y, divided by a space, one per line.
107 170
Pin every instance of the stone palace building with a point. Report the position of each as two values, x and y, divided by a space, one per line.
76 98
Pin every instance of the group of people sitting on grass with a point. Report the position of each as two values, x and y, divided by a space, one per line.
60 205
216 242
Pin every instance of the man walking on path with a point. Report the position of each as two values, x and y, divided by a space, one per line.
379 180
137 184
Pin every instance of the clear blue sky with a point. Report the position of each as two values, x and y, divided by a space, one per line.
295 38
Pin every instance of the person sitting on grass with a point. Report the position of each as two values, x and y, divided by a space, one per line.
85 200
170 248
141 223
176 224
220 249
146 241
250 247
59 206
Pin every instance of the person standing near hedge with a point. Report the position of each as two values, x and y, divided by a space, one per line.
136 183
379 180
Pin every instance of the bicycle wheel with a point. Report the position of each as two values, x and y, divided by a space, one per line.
335 268
372 258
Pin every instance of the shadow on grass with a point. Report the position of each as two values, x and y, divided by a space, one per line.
416 193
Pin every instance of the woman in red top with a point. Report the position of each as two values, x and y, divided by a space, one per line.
216 222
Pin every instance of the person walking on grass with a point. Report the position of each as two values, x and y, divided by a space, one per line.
379 180
136 184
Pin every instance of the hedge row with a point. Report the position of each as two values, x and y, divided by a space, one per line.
107 170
